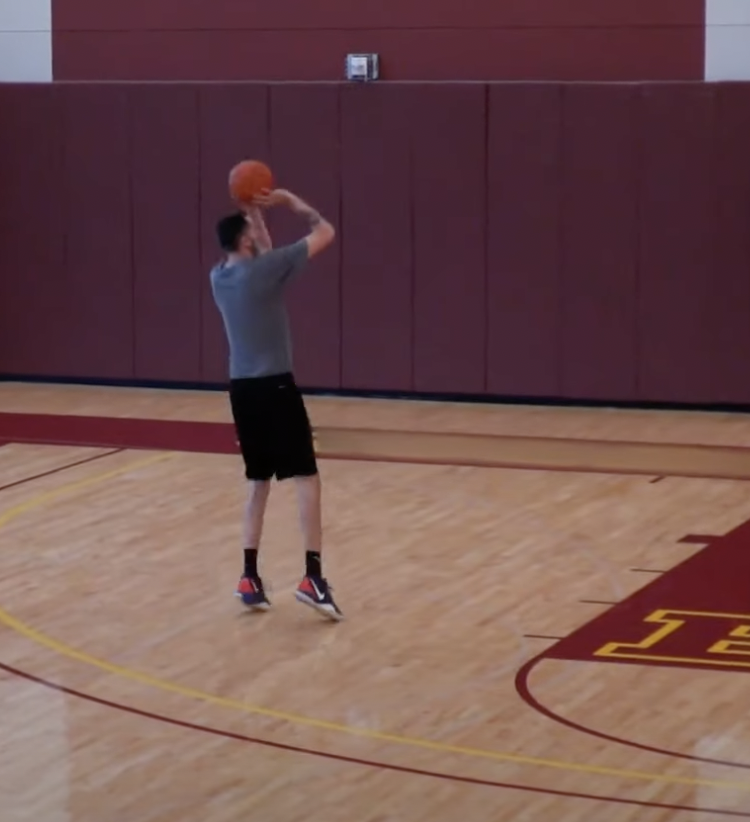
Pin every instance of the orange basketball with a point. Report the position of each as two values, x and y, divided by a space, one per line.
249 178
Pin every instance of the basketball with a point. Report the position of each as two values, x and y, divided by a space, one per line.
249 178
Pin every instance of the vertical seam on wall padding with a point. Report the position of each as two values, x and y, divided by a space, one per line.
716 121
201 347
485 178
413 255
560 172
269 125
340 228
268 151
58 102
638 115
131 216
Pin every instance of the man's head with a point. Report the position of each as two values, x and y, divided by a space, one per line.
235 235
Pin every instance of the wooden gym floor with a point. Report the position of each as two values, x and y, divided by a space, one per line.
548 616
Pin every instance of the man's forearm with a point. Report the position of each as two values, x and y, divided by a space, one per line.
260 232
299 206
321 233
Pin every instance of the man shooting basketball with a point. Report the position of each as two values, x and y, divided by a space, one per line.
269 413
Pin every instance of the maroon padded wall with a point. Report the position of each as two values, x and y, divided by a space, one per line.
540 240
449 268
524 239
96 229
598 261
677 240
376 239
730 293
441 40
34 334
165 184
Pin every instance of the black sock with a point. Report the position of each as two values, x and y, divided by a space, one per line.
251 562
312 564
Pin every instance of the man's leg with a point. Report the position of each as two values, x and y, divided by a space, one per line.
255 511
310 513
252 530
296 459
250 589
249 417
314 589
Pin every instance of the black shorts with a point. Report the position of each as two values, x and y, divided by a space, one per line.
273 428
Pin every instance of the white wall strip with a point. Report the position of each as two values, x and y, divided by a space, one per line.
25 41
727 40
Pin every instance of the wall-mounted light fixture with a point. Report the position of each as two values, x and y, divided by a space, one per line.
362 68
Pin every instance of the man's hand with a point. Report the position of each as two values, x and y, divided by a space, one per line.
277 197
253 214
258 229
281 196
321 231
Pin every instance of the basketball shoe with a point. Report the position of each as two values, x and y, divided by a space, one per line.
316 592
253 595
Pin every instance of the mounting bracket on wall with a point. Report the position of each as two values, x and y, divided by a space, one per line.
362 68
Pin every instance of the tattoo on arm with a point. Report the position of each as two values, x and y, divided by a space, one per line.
304 210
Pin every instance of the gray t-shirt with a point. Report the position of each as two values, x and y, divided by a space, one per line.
250 296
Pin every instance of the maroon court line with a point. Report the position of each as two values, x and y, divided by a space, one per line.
699 539
596 602
524 691
362 762
356 457
217 438
92 421
542 636
647 571
671 446
226 428
60 468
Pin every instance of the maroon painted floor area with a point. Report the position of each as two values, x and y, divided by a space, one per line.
705 599
553 454
709 593
116 432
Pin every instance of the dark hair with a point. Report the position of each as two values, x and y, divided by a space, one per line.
229 230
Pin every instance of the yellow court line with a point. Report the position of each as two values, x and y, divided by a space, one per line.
670 626
171 687
72 487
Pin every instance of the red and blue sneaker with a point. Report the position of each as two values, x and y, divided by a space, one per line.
316 592
250 590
